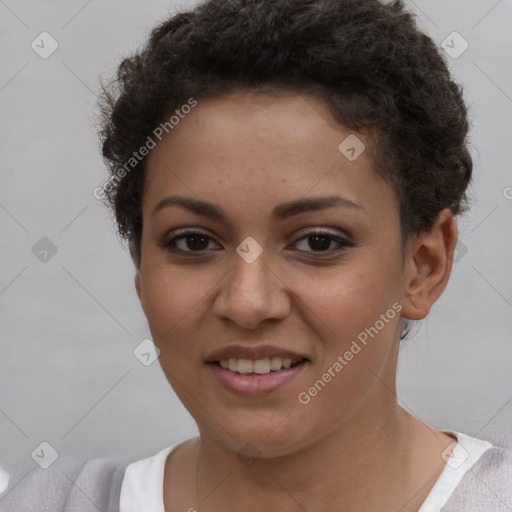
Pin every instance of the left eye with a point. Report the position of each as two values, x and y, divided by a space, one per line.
320 242
197 241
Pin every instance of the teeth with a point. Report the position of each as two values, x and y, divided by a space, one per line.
259 366
275 363
245 366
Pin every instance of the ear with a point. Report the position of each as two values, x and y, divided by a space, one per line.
135 255
428 266
138 287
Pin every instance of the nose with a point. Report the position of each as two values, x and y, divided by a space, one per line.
252 293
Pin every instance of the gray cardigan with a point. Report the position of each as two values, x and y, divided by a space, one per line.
86 486
94 486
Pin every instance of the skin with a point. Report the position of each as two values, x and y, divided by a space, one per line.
351 447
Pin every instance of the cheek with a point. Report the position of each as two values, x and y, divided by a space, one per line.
350 315
170 301
349 298
350 342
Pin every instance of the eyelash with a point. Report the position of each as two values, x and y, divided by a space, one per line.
169 244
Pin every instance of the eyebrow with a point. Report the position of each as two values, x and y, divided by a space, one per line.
280 212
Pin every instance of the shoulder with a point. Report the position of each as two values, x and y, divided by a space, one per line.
79 485
487 486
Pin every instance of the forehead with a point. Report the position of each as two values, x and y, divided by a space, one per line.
255 149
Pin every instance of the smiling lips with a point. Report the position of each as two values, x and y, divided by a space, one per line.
254 370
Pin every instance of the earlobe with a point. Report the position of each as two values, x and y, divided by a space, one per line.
429 264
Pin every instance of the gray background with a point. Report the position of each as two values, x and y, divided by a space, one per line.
69 326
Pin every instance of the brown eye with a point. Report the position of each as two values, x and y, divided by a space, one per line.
196 242
188 241
321 242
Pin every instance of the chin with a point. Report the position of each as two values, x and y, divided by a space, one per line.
258 440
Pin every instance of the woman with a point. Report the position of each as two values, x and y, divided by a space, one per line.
287 174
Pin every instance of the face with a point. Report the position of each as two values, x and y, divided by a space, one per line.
251 269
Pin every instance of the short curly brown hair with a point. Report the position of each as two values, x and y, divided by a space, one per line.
375 69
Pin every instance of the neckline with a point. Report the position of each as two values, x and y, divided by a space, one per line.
143 483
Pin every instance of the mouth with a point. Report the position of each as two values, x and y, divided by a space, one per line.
255 370
258 377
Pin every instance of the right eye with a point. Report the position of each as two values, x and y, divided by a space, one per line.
191 241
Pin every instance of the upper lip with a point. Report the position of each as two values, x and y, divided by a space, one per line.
261 352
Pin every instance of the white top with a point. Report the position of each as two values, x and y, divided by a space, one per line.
142 489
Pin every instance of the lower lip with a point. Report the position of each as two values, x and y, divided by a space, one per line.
254 385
